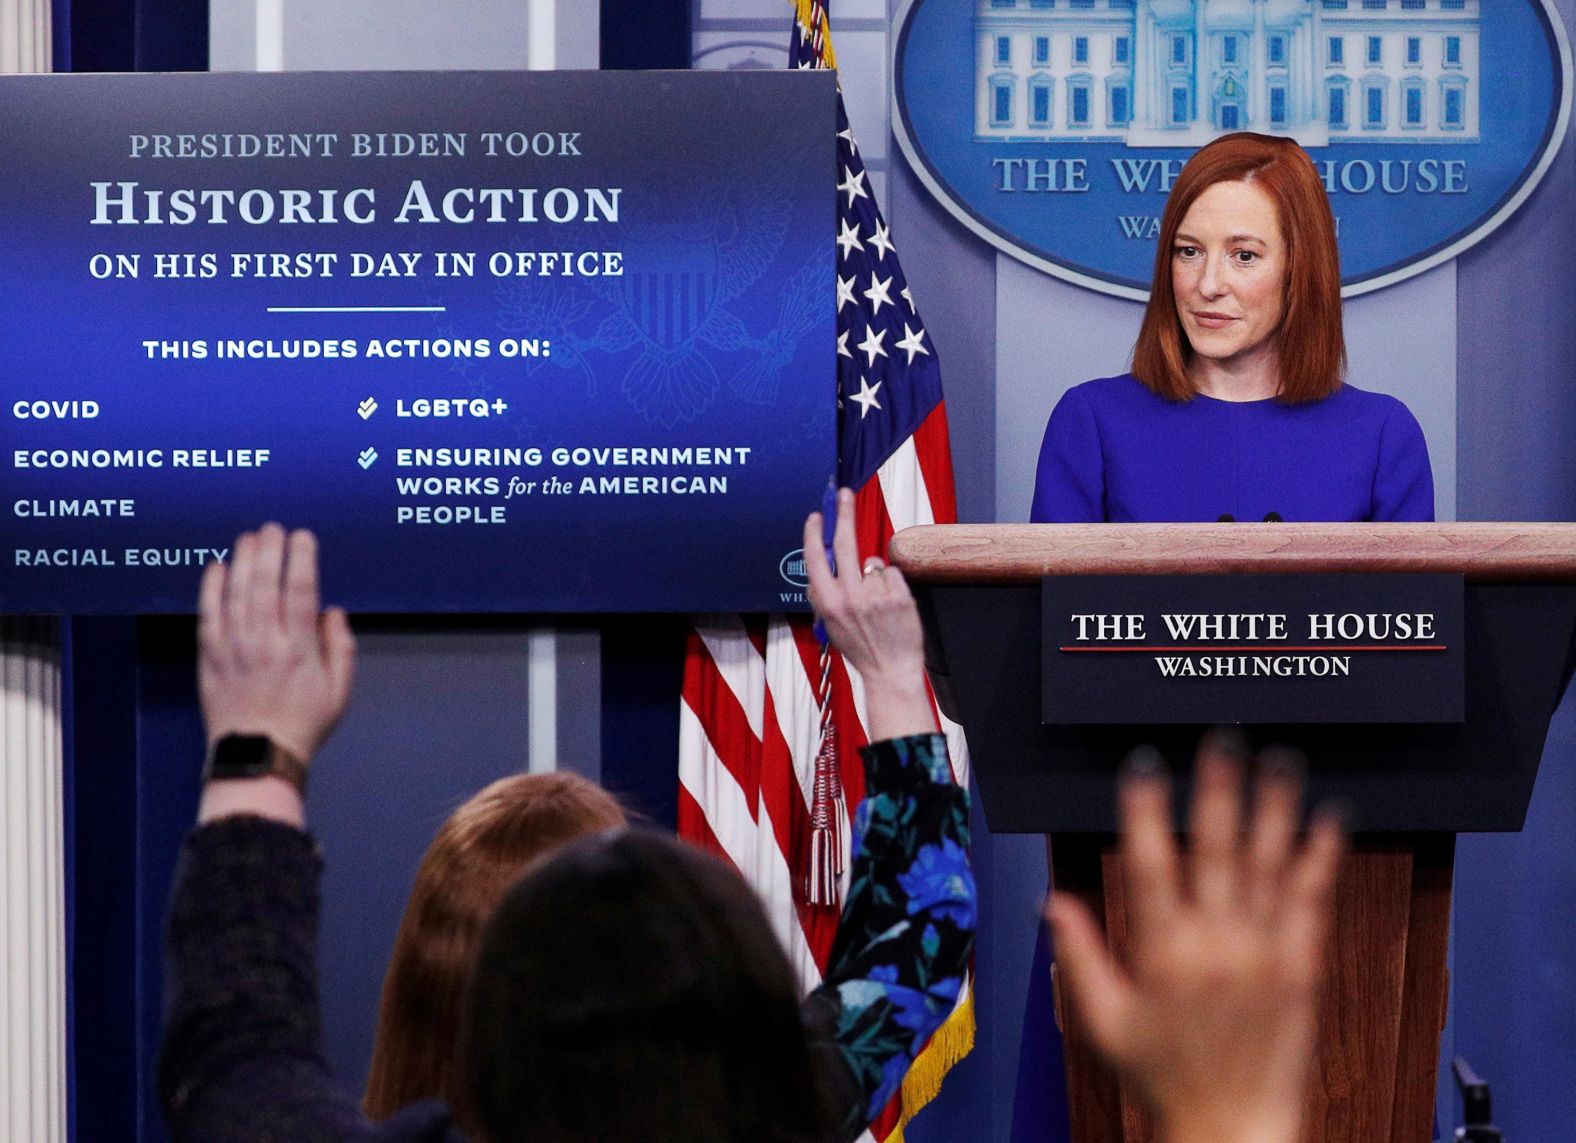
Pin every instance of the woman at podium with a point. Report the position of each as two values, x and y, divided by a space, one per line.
1237 407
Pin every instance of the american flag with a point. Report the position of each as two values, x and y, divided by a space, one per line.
758 690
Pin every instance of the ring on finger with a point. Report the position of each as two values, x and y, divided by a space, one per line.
874 565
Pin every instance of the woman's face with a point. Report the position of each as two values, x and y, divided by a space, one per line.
1228 272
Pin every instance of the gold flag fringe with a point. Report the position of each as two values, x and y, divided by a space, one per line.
951 1042
813 19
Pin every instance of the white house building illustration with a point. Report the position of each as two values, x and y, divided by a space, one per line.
1173 73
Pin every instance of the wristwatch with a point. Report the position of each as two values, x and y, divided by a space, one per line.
253 756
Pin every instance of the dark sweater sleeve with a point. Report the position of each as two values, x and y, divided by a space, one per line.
242 1057
907 927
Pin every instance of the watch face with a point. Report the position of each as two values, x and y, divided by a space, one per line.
240 756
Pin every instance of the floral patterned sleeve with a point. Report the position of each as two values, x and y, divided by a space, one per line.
908 925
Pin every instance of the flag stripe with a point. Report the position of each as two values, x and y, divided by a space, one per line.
872 524
696 830
729 737
793 739
721 802
776 886
798 713
737 661
903 491
737 823
933 448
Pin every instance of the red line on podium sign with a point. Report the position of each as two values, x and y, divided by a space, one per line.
1229 649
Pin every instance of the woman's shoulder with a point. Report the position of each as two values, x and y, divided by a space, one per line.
1369 408
1120 394
1366 400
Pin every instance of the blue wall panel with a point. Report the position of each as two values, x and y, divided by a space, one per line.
1515 963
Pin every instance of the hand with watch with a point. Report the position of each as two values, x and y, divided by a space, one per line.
273 674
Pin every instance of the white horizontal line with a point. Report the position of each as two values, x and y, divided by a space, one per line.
357 309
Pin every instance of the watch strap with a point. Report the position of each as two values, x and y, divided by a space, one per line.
253 756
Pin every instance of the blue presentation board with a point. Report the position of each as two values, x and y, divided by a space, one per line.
505 341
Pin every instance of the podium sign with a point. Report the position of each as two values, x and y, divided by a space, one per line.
1253 648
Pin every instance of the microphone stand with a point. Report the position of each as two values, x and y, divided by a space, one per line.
1476 1107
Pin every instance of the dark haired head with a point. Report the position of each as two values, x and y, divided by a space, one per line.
478 853
630 988
1312 347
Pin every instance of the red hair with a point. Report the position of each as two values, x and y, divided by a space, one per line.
1312 347
478 853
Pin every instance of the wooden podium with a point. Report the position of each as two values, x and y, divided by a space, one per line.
1410 787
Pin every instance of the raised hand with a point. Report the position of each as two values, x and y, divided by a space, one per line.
870 617
1215 1017
269 661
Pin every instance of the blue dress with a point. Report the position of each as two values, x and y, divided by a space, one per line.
1115 451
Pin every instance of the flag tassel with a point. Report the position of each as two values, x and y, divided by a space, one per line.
828 810
822 889
826 826
839 824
